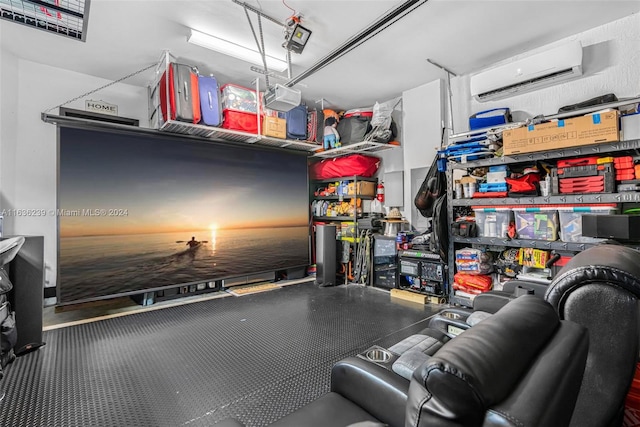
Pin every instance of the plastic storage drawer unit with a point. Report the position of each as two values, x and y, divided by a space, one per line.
491 221
536 222
571 221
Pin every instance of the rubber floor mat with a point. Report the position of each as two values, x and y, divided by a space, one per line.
255 358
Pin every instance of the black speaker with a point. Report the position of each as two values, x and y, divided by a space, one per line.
326 255
26 272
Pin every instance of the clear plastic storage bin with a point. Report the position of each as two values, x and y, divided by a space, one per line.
571 221
491 221
239 98
536 222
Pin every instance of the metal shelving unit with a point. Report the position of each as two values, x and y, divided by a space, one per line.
156 121
621 147
357 147
523 243
587 150
343 197
343 218
552 200
335 218
158 124
228 135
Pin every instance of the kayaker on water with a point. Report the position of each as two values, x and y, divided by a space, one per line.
193 242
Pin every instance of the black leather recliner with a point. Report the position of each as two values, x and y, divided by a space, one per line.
599 288
521 367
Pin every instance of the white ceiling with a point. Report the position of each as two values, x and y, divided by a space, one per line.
464 36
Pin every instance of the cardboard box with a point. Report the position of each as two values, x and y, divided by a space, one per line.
578 131
275 127
365 188
630 127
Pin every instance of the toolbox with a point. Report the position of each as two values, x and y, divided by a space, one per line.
630 185
587 170
488 187
581 161
624 162
584 178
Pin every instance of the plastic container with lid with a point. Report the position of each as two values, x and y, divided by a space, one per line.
571 221
492 221
536 222
239 98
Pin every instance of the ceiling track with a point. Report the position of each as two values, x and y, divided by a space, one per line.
382 23
258 12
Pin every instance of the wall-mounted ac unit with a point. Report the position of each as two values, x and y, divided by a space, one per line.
529 73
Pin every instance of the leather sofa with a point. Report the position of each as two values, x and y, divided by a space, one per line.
599 288
522 366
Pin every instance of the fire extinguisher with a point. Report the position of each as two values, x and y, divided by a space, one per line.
380 193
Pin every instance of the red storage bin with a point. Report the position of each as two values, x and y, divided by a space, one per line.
239 120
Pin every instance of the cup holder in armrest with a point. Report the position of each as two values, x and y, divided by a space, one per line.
380 356
452 322
453 316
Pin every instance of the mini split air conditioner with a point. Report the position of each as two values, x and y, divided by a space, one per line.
529 73
282 98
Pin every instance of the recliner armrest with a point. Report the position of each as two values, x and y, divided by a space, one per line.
377 390
492 301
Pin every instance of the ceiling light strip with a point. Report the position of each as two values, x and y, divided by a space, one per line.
393 16
235 50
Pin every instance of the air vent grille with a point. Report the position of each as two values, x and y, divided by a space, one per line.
515 88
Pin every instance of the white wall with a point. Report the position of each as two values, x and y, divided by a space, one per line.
420 124
611 62
422 109
8 130
28 175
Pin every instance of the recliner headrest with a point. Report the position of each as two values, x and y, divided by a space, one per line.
482 365
612 264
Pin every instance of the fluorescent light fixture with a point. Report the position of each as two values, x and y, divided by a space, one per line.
235 50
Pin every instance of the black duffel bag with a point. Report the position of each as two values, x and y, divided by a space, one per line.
353 129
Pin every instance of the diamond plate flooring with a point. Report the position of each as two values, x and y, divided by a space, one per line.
256 358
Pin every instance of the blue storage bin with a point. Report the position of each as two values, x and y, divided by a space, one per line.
488 118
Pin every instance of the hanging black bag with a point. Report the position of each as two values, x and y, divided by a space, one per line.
433 186
439 243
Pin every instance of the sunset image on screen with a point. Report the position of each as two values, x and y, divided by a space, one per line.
147 212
